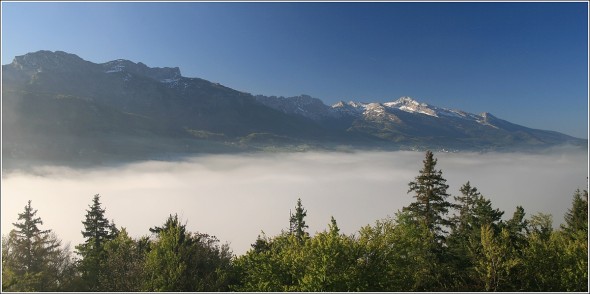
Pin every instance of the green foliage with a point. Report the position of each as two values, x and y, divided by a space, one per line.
430 190
182 261
576 218
326 262
164 264
474 211
297 224
331 262
276 264
517 228
377 257
497 260
408 252
32 259
97 231
122 264
543 253
573 261
573 245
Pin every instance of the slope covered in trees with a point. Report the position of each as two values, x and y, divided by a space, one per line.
433 244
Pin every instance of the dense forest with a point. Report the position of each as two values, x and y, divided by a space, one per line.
439 242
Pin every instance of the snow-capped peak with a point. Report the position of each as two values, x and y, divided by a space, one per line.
404 101
349 105
408 104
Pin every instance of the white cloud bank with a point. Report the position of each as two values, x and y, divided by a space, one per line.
236 196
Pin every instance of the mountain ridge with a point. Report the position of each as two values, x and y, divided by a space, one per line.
184 114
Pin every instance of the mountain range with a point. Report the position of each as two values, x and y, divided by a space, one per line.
58 108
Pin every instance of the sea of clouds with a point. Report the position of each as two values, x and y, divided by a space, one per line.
235 197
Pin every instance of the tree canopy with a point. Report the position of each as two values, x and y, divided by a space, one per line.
432 244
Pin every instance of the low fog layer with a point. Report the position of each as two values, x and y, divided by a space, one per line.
235 197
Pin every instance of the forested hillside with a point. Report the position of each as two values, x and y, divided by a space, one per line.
439 242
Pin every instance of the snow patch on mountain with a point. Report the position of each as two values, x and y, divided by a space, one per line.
406 104
115 68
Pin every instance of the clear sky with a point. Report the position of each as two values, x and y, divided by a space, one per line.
523 62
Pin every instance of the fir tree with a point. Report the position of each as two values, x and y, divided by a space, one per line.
31 256
576 218
464 242
97 231
430 190
517 228
261 244
474 211
297 222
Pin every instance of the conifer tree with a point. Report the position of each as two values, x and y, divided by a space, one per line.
464 242
431 203
576 218
465 221
474 211
97 230
31 256
261 244
517 227
297 222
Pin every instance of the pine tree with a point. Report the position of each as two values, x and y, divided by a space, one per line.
517 228
464 242
576 218
430 190
464 222
474 211
97 230
31 256
261 244
297 222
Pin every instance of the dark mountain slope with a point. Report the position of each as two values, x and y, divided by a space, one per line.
59 108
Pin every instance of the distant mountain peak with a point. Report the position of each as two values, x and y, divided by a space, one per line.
408 100
45 59
303 105
161 74
408 104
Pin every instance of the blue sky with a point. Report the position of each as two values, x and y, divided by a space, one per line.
523 62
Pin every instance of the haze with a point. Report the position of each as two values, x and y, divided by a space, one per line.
235 197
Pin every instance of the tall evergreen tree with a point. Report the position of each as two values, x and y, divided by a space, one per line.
517 228
97 231
297 222
576 218
430 191
466 205
31 257
474 211
464 242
